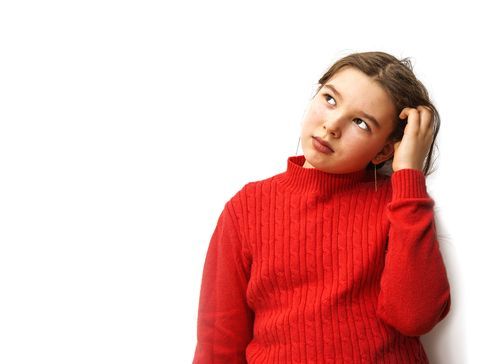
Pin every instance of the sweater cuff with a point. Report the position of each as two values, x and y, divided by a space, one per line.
408 183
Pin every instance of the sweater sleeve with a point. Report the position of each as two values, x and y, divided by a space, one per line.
225 321
414 289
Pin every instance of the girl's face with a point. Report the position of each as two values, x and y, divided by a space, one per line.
355 117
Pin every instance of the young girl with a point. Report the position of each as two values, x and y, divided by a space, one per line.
331 261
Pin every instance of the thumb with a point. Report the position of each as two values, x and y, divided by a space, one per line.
396 146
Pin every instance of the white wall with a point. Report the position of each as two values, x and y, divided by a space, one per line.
106 210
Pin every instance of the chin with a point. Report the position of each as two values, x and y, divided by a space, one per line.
313 164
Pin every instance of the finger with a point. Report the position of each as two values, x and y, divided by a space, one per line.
426 119
413 119
407 111
427 122
426 125
404 113
424 107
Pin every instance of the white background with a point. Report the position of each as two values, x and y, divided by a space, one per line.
126 125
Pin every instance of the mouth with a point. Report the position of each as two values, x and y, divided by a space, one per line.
321 145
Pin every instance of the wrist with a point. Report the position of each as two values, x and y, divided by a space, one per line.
408 183
400 166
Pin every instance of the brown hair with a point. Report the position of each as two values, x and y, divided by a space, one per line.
396 77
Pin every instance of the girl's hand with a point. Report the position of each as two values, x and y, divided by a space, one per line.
411 151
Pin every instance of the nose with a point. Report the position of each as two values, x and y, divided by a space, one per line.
333 126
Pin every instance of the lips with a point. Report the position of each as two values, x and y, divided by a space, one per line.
322 142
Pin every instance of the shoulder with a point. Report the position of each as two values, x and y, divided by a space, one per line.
253 190
260 185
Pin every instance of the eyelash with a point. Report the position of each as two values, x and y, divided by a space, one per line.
367 126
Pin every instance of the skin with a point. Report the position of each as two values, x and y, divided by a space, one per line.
410 152
355 139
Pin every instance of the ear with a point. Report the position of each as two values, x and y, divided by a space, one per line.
385 154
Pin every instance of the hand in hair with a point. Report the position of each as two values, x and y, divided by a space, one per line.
411 151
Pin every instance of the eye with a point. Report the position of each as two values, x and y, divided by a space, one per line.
328 97
362 124
359 122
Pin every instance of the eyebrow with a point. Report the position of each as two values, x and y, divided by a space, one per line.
368 116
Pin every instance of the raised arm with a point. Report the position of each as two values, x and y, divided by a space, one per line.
225 322
414 289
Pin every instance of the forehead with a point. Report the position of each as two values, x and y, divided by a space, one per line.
360 93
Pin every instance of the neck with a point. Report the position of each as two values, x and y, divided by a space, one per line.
301 178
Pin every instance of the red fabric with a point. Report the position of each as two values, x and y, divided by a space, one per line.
312 267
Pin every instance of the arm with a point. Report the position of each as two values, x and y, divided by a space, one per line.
414 289
225 322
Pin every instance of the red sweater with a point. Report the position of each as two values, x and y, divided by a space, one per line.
313 267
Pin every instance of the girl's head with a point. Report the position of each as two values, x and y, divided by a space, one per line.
355 110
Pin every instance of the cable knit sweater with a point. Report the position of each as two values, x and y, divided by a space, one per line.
313 267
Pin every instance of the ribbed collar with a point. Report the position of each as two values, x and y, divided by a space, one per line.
300 179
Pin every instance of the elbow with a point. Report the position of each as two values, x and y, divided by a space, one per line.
414 323
407 326
414 327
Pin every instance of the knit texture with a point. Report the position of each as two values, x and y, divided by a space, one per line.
314 267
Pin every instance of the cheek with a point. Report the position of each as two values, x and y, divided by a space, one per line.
315 109
358 144
312 118
306 130
373 149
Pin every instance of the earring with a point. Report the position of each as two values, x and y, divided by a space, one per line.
297 146
375 173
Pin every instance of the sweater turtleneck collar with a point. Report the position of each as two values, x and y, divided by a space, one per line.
304 180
